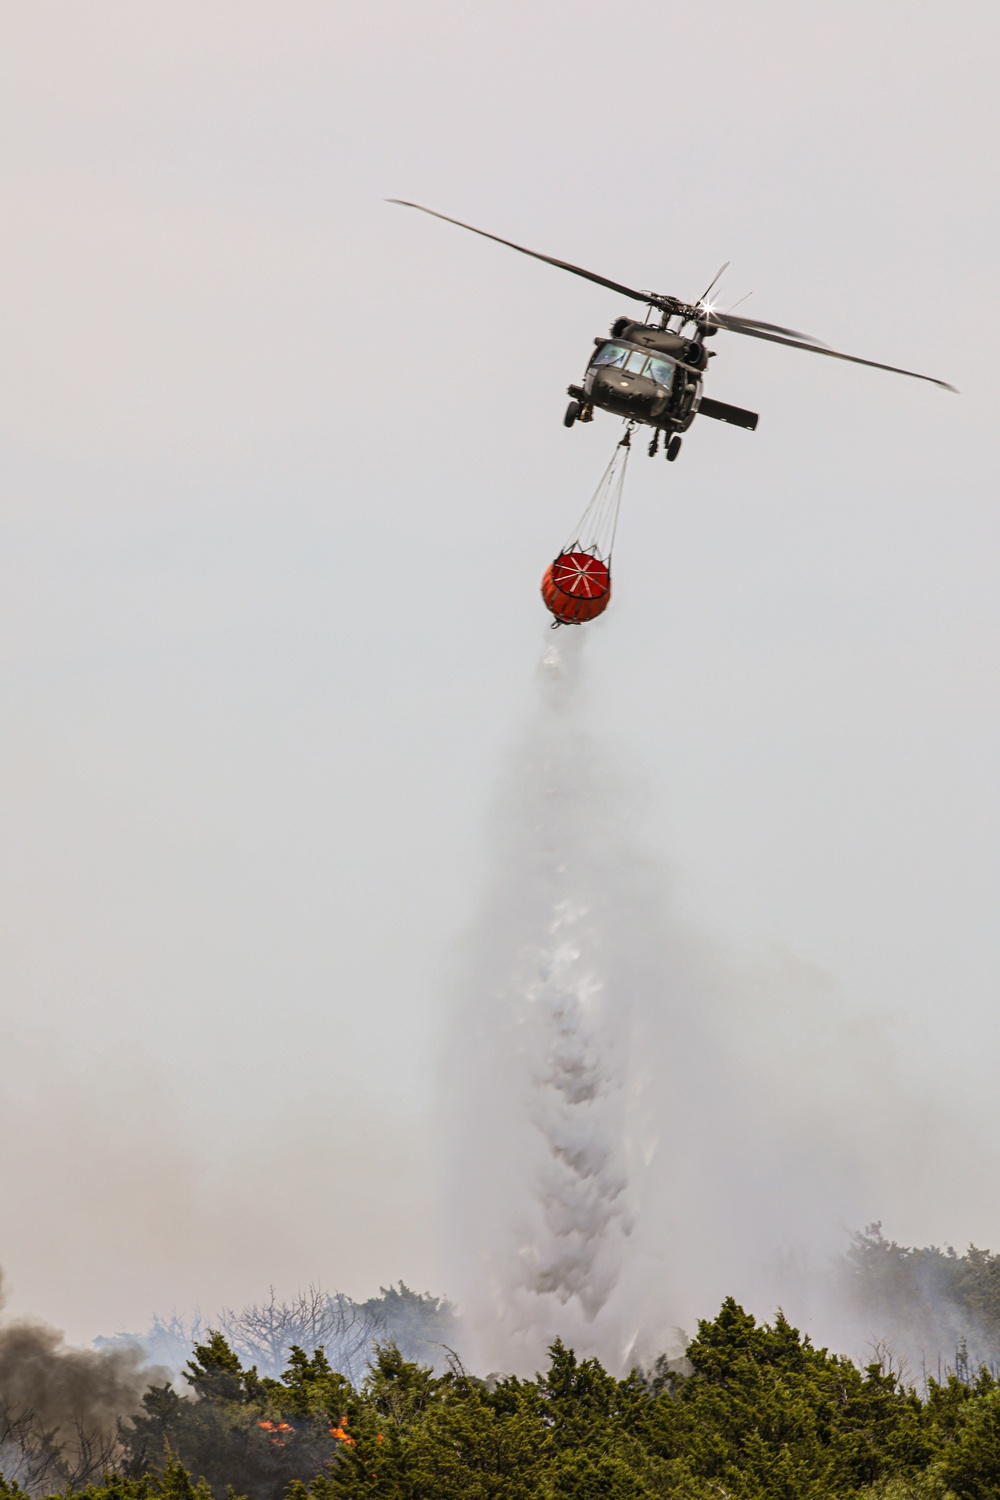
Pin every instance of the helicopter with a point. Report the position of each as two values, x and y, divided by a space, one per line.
651 373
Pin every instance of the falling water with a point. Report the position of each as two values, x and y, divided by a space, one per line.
541 1071
638 1121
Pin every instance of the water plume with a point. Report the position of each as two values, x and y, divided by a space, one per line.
541 1075
640 1122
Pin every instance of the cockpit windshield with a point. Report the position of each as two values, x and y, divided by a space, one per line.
620 357
611 354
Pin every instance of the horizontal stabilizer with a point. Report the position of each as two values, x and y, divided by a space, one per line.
734 415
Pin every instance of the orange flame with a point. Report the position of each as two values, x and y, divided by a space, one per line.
274 1428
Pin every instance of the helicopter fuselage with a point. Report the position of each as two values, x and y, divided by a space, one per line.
651 376
645 374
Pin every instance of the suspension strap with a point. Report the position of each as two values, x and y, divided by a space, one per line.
597 527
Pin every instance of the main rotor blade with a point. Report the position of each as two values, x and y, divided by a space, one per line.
714 281
564 265
773 333
743 325
748 325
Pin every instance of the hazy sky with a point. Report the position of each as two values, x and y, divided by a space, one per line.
281 469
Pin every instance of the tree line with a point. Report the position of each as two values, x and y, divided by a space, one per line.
754 1412
322 1398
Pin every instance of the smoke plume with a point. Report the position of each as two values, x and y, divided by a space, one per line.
60 1407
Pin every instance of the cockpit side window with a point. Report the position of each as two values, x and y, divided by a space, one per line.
611 354
661 371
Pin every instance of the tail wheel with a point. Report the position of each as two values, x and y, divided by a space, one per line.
572 412
673 448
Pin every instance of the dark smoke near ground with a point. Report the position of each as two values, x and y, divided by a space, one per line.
60 1407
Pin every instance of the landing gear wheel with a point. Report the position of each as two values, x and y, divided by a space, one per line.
654 445
573 410
673 448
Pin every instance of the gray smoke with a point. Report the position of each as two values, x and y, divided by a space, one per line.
60 1407
639 1123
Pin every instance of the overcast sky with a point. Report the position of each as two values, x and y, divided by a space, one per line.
281 468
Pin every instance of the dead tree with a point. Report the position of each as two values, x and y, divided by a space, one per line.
262 1334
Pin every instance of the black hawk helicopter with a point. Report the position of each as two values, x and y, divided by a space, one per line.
652 373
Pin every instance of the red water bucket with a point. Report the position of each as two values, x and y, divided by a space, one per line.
576 587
